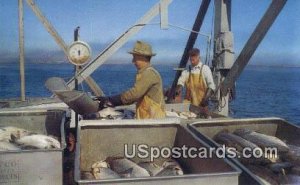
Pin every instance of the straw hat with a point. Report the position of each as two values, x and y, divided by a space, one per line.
142 48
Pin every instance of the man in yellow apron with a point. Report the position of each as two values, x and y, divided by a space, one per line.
198 81
147 91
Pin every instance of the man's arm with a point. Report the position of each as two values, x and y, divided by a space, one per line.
143 82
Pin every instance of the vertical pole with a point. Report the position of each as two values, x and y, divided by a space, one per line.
21 48
76 35
223 50
189 45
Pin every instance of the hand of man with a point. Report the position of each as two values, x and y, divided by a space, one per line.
204 102
103 102
178 90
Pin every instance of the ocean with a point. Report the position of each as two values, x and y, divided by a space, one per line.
260 91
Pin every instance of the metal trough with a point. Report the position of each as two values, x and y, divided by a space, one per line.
206 130
98 140
33 166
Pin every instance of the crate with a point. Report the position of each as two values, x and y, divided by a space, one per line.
33 167
98 140
206 130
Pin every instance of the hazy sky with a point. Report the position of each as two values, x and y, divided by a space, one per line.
102 21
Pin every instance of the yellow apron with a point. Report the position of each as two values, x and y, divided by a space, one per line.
146 108
195 88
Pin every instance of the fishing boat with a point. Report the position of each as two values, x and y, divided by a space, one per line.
85 141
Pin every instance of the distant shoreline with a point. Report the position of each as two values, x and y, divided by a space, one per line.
155 63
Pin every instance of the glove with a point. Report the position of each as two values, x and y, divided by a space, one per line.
178 90
204 102
208 94
110 101
103 102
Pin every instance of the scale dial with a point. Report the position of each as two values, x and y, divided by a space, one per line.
79 53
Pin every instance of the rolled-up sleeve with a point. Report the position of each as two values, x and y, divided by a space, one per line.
183 78
209 78
143 82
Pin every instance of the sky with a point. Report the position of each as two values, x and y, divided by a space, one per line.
102 21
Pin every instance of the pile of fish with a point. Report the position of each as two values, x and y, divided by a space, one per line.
111 113
13 138
119 167
281 169
182 115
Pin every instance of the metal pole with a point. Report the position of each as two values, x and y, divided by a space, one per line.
21 48
190 44
48 26
114 46
76 35
91 83
251 45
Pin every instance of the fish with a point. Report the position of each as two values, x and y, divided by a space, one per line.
295 170
265 174
151 167
170 168
290 180
279 167
7 146
105 173
239 143
126 168
127 114
110 113
232 140
101 170
102 164
87 175
6 132
37 142
187 115
172 114
293 155
262 140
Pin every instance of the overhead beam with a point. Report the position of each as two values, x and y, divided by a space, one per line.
251 45
91 83
189 45
48 26
117 44
21 49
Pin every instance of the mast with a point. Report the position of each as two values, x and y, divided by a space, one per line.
223 50
21 48
190 44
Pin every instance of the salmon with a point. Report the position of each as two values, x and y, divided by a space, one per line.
86 175
6 132
265 174
232 140
37 141
295 170
171 168
126 168
293 155
101 170
151 167
239 143
262 140
291 180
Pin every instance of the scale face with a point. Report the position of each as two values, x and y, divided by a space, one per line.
79 53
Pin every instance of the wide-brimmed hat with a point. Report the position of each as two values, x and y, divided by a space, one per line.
142 48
